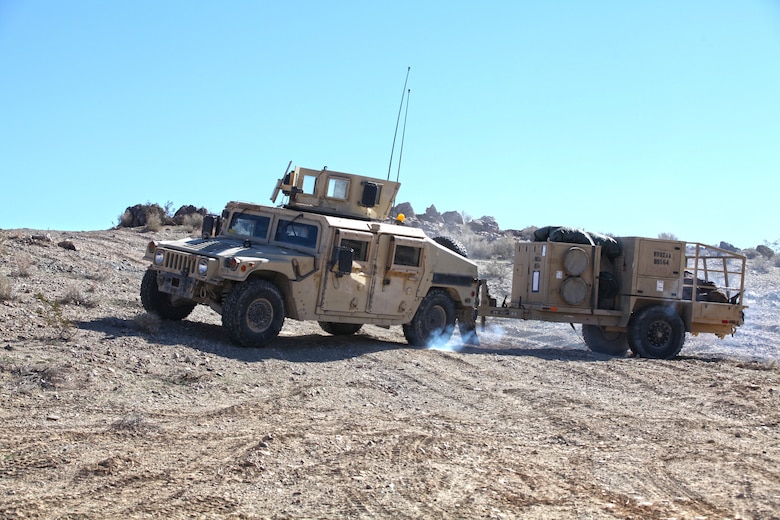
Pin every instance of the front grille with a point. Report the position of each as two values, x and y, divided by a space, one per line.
179 262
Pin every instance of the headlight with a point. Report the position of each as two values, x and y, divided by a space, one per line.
232 263
159 256
203 267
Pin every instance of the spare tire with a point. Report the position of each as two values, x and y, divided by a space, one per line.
542 234
609 246
571 236
452 245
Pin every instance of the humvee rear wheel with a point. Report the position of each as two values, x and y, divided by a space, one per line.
161 303
340 329
656 332
434 321
253 313
612 343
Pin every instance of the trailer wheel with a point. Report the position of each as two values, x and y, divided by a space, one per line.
161 303
253 313
434 321
656 332
340 329
612 343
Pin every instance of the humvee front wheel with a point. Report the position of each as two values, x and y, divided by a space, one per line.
161 303
612 343
253 313
340 329
656 332
434 321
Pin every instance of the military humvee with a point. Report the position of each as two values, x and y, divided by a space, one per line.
627 292
328 254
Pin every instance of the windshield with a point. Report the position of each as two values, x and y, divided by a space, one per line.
296 233
245 225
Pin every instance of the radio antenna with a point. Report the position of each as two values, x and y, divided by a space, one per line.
398 120
403 135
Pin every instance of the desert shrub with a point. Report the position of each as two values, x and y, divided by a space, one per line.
194 221
474 244
125 219
487 247
153 222
504 247
24 265
494 269
761 264
6 289
74 295
133 423
527 233
750 253
52 315
100 274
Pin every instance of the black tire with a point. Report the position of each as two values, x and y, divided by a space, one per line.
656 332
160 303
434 321
452 245
253 313
340 329
605 342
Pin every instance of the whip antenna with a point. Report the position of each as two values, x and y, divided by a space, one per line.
398 120
403 135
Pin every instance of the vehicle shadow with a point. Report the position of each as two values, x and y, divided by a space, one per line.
211 338
306 348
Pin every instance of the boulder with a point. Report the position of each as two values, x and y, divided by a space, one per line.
452 218
765 251
183 212
485 224
405 208
138 215
431 215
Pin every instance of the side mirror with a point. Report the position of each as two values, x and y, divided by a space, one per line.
342 260
212 225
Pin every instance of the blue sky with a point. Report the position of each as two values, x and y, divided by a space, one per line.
630 118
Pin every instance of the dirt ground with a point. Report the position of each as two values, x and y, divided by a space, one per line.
108 413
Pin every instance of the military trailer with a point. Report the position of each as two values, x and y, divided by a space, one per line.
328 254
627 292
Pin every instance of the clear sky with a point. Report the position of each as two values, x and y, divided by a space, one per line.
630 118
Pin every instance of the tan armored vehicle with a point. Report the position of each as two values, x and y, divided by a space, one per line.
328 254
630 292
